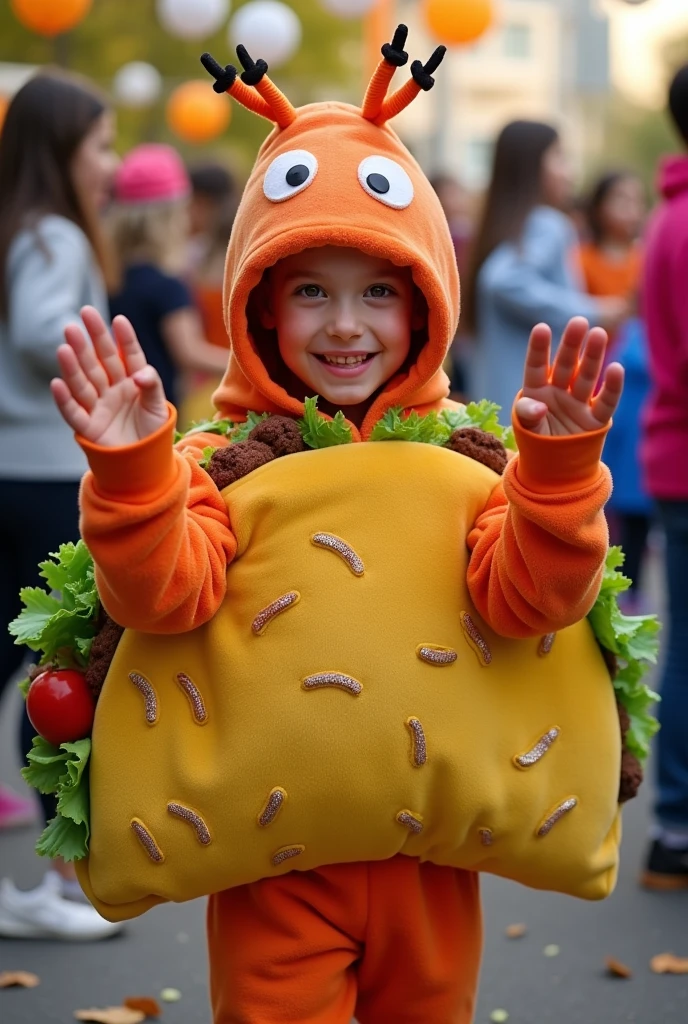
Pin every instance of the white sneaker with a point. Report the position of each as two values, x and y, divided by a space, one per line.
44 913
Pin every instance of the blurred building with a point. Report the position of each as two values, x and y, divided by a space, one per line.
544 59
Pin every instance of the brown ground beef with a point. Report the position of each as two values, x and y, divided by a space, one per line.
481 446
281 434
102 652
227 465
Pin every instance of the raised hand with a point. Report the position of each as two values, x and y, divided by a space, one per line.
561 399
108 392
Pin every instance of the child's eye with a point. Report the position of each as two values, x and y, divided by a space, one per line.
379 291
311 291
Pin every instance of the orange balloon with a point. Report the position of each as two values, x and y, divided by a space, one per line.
50 17
456 22
197 114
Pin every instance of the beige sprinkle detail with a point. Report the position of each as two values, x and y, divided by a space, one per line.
265 616
546 644
413 822
147 842
485 836
537 752
341 548
336 679
149 696
195 820
434 655
272 806
419 751
286 853
556 815
478 640
198 709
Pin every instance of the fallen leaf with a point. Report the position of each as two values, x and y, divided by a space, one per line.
20 979
515 931
617 969
111 1015
499 1016
667 963
145 1004
170 995
551 950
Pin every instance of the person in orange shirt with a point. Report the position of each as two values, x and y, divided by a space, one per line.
611 257
341 282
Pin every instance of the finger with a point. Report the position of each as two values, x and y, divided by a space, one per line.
103 343
74 414
606 402
129 345
86 357
566 359
80 387
530 414
536 371
590 365
152 392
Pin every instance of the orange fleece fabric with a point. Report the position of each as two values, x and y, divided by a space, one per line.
391 940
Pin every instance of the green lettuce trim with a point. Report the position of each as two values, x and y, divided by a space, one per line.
62 771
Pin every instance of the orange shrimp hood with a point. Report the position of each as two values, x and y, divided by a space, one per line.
336 208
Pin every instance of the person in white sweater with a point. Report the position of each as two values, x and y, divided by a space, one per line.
56 168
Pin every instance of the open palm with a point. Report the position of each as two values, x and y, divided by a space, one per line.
561 398
108 392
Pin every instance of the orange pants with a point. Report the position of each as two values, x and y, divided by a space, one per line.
393 942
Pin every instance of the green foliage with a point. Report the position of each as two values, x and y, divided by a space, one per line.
634 641
62 771
437 428
482 415
61 625
208 452
318 432
240 431
221 427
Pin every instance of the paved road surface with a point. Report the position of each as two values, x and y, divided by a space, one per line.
165 948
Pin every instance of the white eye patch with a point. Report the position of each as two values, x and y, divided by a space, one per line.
386 181
288 174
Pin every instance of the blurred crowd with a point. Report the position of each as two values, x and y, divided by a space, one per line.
145 235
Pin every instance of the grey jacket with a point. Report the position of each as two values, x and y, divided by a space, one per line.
519 285
51 272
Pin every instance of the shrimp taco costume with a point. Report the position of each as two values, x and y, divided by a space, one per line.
357 667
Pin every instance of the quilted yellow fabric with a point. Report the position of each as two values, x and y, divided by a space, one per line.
369 712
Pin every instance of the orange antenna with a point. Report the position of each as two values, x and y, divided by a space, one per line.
265 99
379 108
393 56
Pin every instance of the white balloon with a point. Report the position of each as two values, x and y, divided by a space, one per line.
137 84
192 19
348 8
268 29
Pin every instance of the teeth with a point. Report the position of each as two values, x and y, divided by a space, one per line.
344 360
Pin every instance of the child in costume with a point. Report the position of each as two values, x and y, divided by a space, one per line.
339 693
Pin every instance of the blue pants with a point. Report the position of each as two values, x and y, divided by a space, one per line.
671 807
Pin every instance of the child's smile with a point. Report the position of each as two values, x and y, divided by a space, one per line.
343 319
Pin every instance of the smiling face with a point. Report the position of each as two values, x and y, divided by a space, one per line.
343 320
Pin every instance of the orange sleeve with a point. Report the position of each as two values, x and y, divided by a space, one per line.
538 548
159 532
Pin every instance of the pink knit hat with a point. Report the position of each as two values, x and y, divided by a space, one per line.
151 173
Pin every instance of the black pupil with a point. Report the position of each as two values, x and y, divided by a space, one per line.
378 183
297 174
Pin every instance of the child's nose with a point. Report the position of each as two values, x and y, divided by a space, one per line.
344 323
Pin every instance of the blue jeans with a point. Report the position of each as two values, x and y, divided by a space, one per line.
671 808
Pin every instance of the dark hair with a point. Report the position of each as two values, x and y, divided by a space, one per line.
515 189
597 198
678 101
212 180
46 122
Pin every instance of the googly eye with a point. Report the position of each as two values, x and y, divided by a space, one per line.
386 181
288 174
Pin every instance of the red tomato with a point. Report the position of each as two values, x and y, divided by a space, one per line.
60 706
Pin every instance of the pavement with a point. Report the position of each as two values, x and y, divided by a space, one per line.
165 948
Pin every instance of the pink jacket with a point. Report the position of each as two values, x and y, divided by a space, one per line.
665 308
